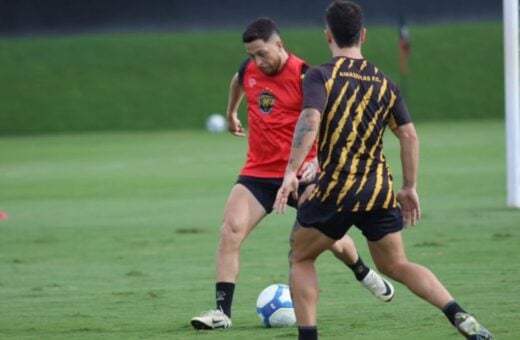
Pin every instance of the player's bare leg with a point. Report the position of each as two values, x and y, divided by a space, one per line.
389 257
345 251
308 244
241 215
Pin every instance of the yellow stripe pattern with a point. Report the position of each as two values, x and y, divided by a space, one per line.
374 147
337 132
350 140
377 188
363 65
355 175
330 82
383 89
332 111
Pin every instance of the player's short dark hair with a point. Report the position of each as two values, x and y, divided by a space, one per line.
345 21
261 28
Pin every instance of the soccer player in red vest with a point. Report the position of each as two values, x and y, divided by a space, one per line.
271 81
348 103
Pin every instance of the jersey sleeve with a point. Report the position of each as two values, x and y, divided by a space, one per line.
314 93
399 114
242 70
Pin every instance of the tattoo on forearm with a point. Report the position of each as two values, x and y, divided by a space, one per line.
303 126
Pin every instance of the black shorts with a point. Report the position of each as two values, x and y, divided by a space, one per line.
265 189
374 224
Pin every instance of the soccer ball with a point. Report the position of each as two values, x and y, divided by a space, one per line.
274 306
215 123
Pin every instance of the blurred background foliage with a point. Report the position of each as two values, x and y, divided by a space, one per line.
96 67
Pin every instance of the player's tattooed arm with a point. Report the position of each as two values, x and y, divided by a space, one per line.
304 136
307 123
303 139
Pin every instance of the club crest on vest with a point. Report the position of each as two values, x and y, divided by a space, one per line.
266 102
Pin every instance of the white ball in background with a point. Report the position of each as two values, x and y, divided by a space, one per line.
216 123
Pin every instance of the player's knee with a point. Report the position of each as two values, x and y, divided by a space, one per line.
387 270
298 254
291 256
294 259
232 231
392 269
344 248
338 248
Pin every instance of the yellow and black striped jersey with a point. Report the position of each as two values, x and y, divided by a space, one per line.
357 101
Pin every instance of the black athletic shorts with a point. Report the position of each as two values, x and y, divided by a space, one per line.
374 224
265 189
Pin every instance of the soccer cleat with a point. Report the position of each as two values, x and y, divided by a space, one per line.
213 319
380 287
471 328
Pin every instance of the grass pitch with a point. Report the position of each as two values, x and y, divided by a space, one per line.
113 236
174 81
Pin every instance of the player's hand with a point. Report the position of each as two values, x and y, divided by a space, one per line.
289 187
235 126
308 171
410 206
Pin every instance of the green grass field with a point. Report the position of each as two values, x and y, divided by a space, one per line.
174 81
113 236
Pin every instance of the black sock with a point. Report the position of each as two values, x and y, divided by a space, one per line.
451 309
307 333
359 269
224 296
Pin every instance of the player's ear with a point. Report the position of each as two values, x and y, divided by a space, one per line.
328 35
279 44
362 35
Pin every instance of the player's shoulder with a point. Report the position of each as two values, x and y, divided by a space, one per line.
376 71
315 75
298 64
242 70
316 71
297 59
390 84
322 71
244 64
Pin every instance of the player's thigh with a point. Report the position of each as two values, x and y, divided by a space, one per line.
243 211
308 243
345 245
388 251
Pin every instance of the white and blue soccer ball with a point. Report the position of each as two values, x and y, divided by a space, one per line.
274 306
216 123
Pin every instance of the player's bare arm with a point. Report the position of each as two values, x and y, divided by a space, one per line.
236 92
304 136
407 196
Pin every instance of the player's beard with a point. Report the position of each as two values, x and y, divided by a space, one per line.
273 68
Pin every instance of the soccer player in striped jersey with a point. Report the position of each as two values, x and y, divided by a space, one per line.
348 102
271 81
